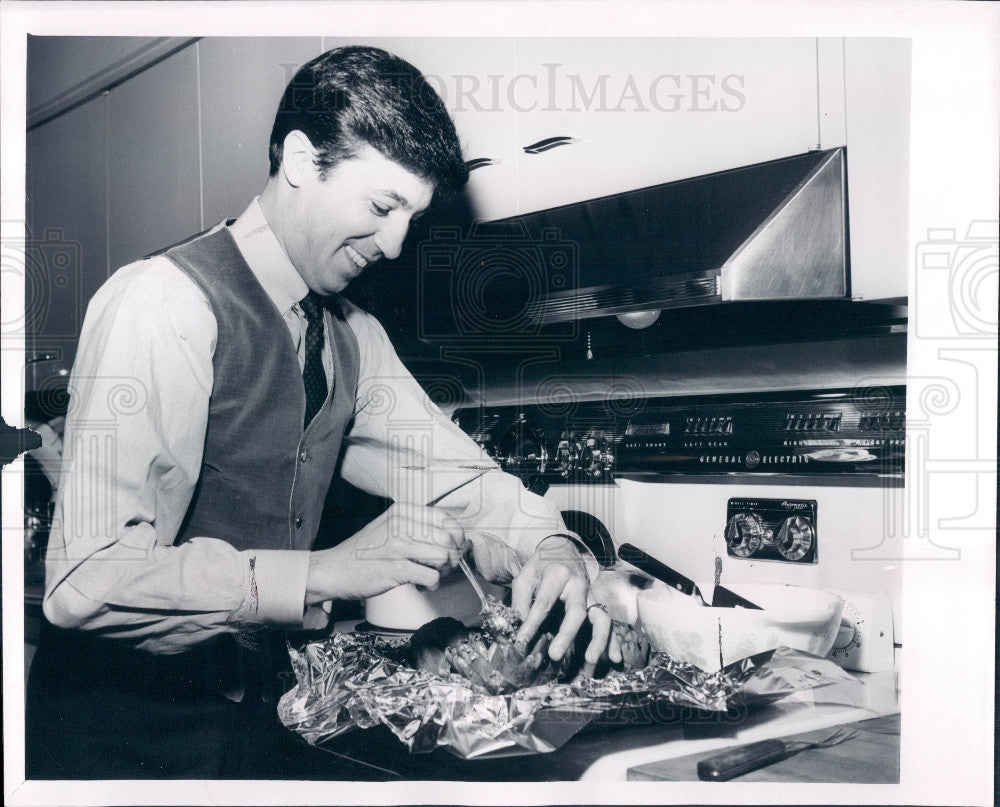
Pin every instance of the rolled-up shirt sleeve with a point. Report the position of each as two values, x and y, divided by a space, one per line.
135 430
403 447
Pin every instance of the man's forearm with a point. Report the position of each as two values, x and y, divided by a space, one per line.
166 599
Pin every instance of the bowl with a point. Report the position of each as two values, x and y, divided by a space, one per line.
802 618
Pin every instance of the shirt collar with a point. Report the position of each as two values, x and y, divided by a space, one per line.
267 259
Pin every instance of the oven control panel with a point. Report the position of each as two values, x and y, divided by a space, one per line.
529 442
830 432
772 529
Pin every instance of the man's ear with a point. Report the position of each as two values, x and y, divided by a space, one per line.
297 159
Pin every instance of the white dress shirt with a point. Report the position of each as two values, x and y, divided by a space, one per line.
140 390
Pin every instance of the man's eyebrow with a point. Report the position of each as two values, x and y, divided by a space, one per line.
399 200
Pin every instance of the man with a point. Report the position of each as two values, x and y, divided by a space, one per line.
183 546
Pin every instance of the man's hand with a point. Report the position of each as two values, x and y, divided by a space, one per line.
556 572
406 544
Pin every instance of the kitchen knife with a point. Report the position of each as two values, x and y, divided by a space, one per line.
722 597
651 566
730 764
738 761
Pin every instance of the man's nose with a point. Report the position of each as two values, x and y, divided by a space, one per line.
390 237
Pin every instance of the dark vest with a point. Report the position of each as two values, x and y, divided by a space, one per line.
263 478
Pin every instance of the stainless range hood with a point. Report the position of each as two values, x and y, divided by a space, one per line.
771 231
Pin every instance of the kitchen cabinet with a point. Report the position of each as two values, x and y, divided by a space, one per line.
472 75
240 82
153 180
643 111
66 248
65 70
877 94
830 92
647 111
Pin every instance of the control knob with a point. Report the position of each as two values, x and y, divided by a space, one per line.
744 534
597 459
522 448
795 538
567 455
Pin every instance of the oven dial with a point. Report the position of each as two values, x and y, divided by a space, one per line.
744 534
522 448
567 456
596 457
795 538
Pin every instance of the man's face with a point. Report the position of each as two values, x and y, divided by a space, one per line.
359 214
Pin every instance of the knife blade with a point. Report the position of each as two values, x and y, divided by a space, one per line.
723 597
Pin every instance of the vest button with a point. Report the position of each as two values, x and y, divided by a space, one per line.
298 522
304 455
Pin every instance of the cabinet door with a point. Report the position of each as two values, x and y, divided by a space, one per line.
471 75
831 103
58 65
654 110
241 81
877 91
153 171
66 248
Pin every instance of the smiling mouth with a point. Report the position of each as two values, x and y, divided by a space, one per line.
359 260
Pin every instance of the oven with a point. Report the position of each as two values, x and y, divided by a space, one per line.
800 487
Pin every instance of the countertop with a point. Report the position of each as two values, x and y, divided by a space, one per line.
596 754
871 756
876 695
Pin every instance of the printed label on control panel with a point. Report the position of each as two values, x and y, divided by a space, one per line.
772 529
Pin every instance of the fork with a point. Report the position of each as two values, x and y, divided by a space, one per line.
738 761
463 564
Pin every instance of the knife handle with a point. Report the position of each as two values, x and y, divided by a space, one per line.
738 761
651 566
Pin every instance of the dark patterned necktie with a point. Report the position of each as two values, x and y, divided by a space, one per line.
313 375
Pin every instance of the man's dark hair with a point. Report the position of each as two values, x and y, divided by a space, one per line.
353 96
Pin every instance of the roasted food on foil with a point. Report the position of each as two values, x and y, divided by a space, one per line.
500 621
495 662
427 646
492 659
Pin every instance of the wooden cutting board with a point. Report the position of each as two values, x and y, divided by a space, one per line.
872 757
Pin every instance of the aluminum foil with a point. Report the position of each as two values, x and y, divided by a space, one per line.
357 680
